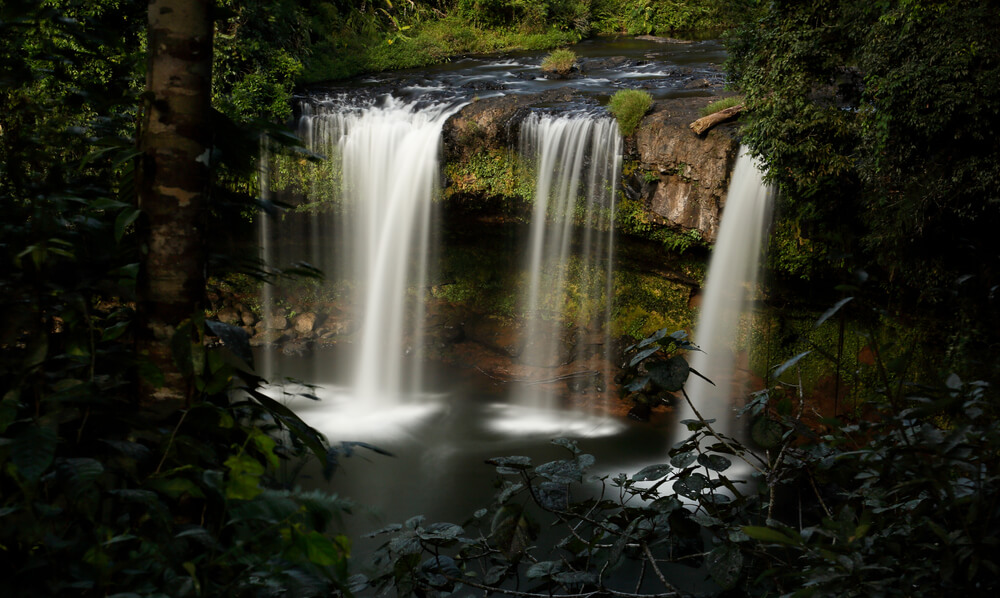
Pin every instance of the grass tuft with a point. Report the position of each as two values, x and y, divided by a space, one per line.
722 104
629 106
559 61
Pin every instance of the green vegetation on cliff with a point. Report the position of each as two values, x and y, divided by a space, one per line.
878 122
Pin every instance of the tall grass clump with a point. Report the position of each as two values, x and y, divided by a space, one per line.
559 61
722 104
629 106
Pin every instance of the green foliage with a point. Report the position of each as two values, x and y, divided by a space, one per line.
875 120
493 175
645 17
103 495
559 61
900 504
532 15
793 254
645 302
259 50
629 106
677 241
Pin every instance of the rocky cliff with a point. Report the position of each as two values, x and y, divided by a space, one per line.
679 177
682 177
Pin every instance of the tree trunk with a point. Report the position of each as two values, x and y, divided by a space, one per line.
173 189
707 122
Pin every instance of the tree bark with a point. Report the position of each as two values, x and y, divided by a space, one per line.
173 188
705 123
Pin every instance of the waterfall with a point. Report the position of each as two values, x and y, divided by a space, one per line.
384 177
730 284
567 295
265 251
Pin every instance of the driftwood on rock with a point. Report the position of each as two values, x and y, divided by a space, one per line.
705 123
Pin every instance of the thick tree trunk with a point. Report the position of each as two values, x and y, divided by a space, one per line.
174 181
707 122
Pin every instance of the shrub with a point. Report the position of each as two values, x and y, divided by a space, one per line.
559 61
629 106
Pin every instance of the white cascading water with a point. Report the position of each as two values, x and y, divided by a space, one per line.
571 241
730 284
389 158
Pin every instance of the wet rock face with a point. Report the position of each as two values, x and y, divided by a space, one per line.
685 176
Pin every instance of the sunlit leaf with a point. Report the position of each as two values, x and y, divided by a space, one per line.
778 371
833 310
770 535
652 472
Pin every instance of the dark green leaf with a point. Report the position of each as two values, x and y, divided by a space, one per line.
766 432
552 496
510 465
667 504
562 472
669 375
512 531
33 451
233 338
509 490
637 384
682 460
714 462
543 569
691 486
621 541
405 544
125 218
662 332
437 533
724 565
642 355
570 445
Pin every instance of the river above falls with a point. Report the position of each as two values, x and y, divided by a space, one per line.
666 68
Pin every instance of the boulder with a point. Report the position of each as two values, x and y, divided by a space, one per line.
274 322
266 337
493 123
304 323
228 315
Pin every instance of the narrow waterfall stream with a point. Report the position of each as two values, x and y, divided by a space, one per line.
570 264
730 286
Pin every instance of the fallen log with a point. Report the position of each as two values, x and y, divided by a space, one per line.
705 123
